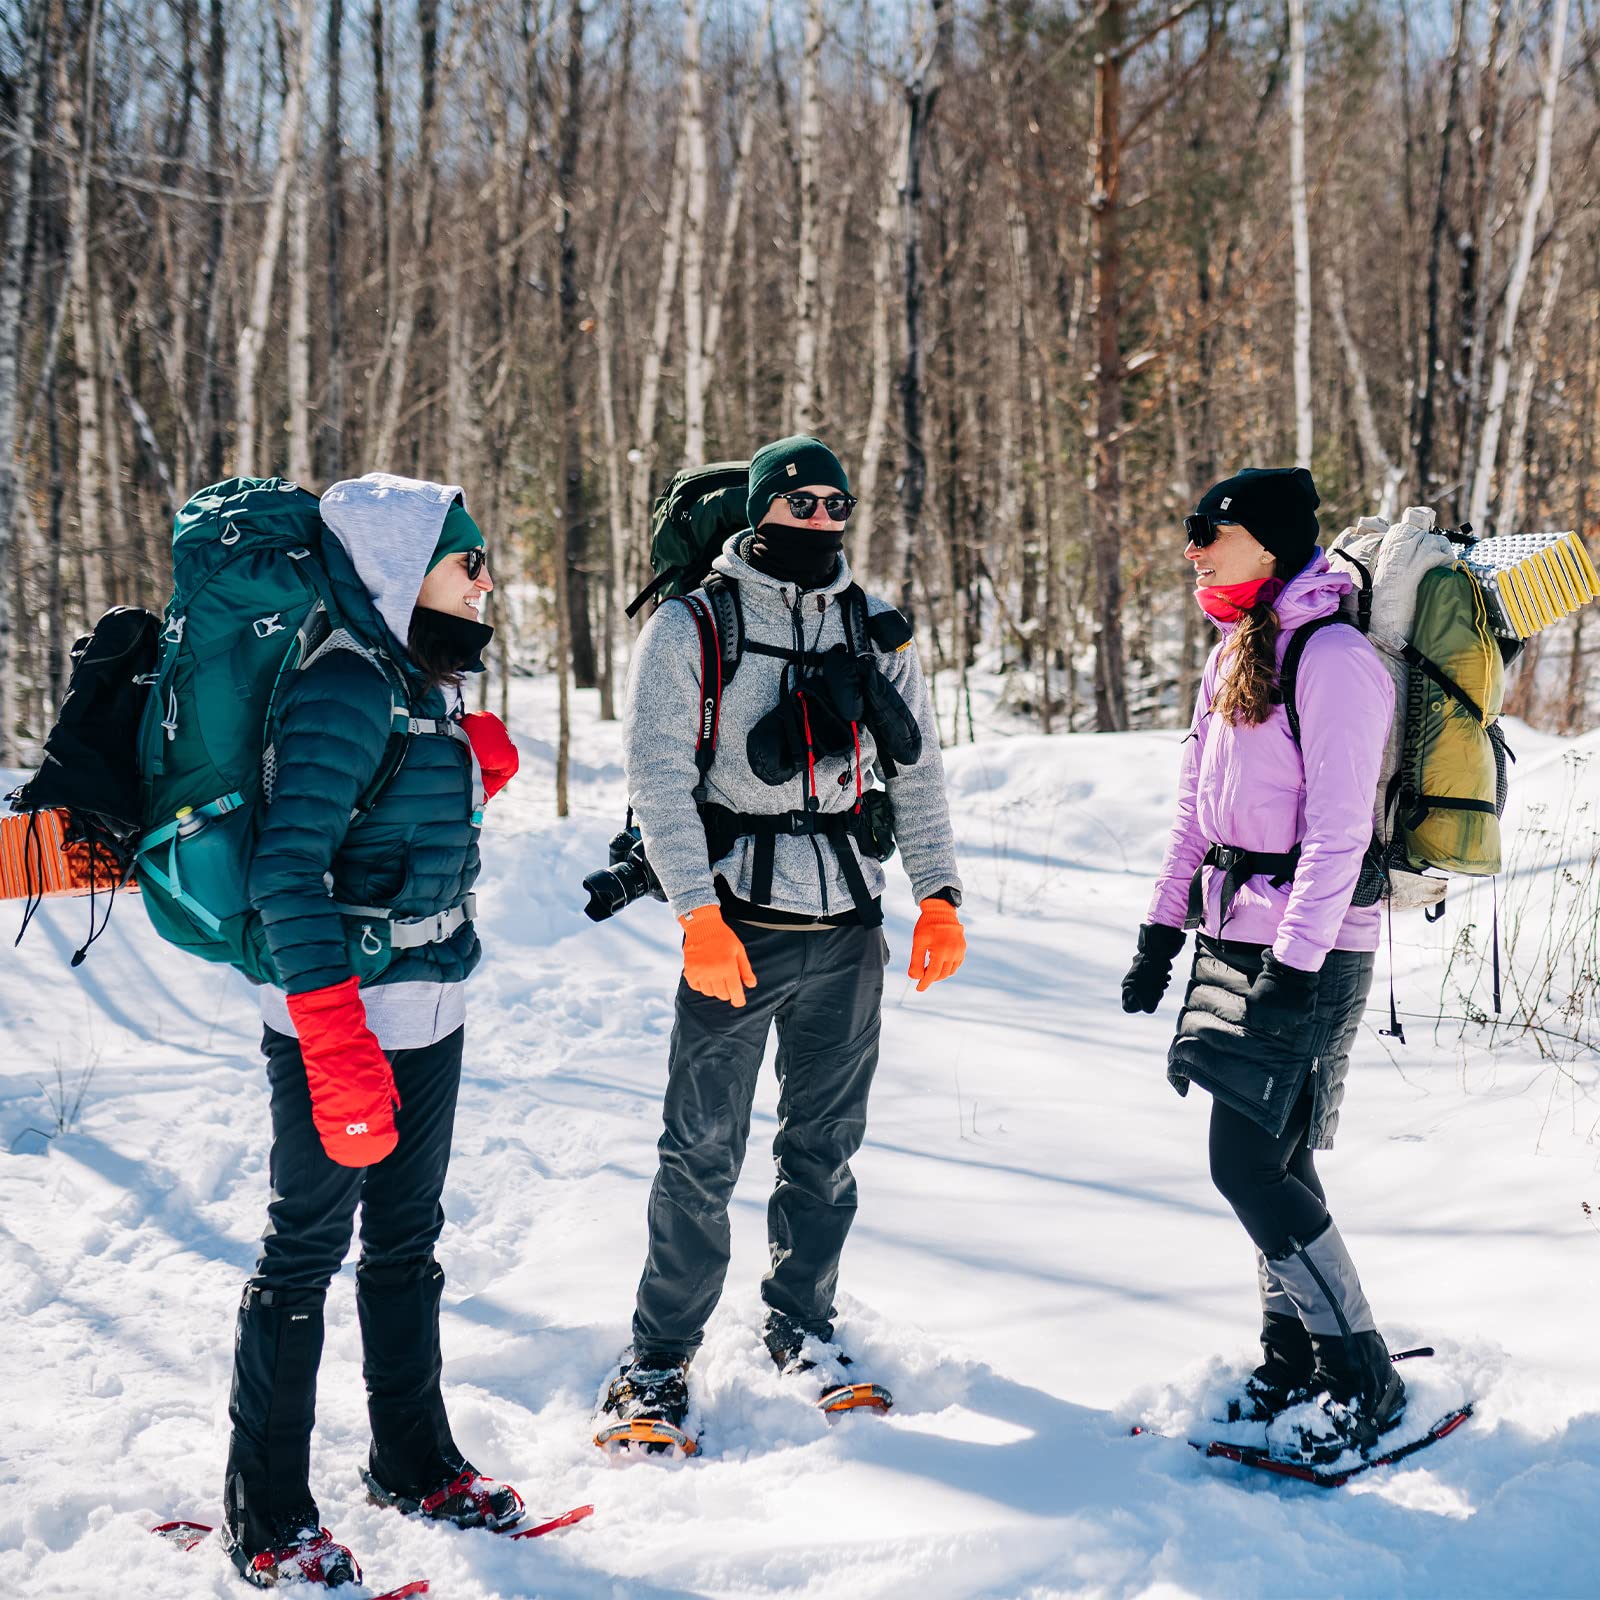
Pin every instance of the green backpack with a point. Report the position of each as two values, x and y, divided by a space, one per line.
251 602
689 524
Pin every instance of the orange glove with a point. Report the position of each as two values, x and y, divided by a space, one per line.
714 959
491 744
938 946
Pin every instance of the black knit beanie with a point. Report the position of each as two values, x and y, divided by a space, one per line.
1278 505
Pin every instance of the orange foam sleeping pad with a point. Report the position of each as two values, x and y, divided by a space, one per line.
56 867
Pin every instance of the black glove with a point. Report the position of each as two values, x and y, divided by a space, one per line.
1151 971
1281 998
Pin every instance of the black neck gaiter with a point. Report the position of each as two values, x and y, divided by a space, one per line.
439 639
806 557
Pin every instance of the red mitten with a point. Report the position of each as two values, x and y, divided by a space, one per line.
491 744
353 1096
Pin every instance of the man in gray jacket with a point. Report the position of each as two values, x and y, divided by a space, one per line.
781 914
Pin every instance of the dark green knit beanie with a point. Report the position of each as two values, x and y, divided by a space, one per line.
789 464
458 534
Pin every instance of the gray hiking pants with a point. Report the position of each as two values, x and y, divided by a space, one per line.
824 989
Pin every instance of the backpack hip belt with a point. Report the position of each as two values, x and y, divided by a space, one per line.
1236 865
412 933
840 828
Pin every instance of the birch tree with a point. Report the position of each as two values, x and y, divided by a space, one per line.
694 228
20 183
1302 232
921 95
80 301
807 391
298 46
1533 203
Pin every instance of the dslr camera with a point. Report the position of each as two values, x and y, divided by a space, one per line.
628 878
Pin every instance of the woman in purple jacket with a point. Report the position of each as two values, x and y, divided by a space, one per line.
1264 860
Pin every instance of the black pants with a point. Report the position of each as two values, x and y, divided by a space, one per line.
824 990
1271 1183
278 1343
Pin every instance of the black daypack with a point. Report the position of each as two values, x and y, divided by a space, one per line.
90 768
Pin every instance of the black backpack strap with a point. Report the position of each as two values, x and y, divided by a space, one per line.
727 614
1290 670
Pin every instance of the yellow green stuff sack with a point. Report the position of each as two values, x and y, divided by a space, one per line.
1452 767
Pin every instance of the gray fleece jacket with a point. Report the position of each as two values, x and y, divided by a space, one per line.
659 729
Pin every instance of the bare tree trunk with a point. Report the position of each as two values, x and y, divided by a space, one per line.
397 357
1522 405
872 534
1538 188
211 381
1104 484
252 337
20 183
808 399
1302 233
563 677
332 430
383 119
1428 378
1383 476
921 96
643 454
1477 249
694 225
299 353
605 356
736 187
575 515
80 300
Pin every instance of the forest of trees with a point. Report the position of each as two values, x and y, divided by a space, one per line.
1038 272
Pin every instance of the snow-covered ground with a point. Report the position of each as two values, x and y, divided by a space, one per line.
1039 1260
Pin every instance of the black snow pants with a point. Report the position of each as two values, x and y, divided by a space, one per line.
824 990
278 1342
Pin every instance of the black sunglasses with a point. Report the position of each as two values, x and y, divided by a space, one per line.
1201 530
476 561
804 504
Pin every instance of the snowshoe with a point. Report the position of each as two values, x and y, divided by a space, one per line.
649 1397
469 1500
785 1340
312 1557
1355 1425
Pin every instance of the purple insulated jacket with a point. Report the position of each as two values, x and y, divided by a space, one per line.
1249 786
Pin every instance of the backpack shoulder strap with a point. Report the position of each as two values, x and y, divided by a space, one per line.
727 613
1290 670
705 739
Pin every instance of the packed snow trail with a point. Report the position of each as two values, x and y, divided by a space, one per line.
1039 1260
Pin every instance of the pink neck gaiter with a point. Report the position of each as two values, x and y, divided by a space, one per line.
1228 602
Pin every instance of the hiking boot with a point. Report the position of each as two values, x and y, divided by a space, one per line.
307 1556
1363 1396
468 1500
785 1341
1284 1377
652 1388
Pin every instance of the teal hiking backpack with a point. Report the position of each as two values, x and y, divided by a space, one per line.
700 510
251 603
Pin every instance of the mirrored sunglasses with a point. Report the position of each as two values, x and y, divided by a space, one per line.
804 504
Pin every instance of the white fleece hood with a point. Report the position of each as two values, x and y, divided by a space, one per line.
389 527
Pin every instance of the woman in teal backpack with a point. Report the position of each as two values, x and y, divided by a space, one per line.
364 1039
